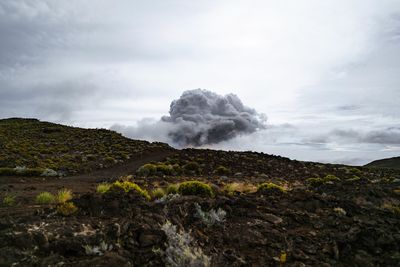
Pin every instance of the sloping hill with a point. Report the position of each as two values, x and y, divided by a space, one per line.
40 145
393 163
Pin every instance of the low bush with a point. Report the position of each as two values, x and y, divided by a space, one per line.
270 187
63 195
158 193
320 181
221 170
195 188
164 169
192 167
49 173
147 169
103 188
8 200
66 208
129 186
45 198
172 189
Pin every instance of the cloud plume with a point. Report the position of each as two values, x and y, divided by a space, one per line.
201 117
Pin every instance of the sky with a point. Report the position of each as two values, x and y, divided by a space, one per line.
324 73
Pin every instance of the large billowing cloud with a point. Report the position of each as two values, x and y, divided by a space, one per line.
202 117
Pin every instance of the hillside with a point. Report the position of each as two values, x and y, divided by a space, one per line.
190 207
40 145
393 163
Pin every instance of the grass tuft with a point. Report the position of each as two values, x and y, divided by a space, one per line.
45 198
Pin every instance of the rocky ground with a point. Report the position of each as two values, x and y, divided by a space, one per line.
351 222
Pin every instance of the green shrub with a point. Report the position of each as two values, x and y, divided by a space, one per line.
147 169
128 186
221 170
354 179
195 188
176 169
331 178
172 189
66 208
158 193
63 195
45 198
320 181
9 200
164 169
192 167
270 187
103 188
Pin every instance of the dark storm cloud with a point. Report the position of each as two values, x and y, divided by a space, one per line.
201 117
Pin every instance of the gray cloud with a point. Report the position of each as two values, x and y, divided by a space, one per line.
387 136
202 117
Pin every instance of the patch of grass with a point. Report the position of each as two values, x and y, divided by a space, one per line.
129 186
66 208
8 200
158 193
241 188
63 195
103 188
195 188
45 198
270 187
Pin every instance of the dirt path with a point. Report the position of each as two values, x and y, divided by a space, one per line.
26 188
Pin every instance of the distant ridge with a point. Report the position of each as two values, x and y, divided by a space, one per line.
393 163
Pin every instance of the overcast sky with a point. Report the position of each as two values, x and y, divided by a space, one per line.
325 73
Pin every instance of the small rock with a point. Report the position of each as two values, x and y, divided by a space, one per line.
272 218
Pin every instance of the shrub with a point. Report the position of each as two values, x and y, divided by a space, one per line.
320 181
63 195
9 200
354 178
129 186
45 198
180 249
164 169
176 169
195 188
147 169
210 217
172 189
158 193
66 208
331 178
103 188
49 173
271 187
221 170
192 167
